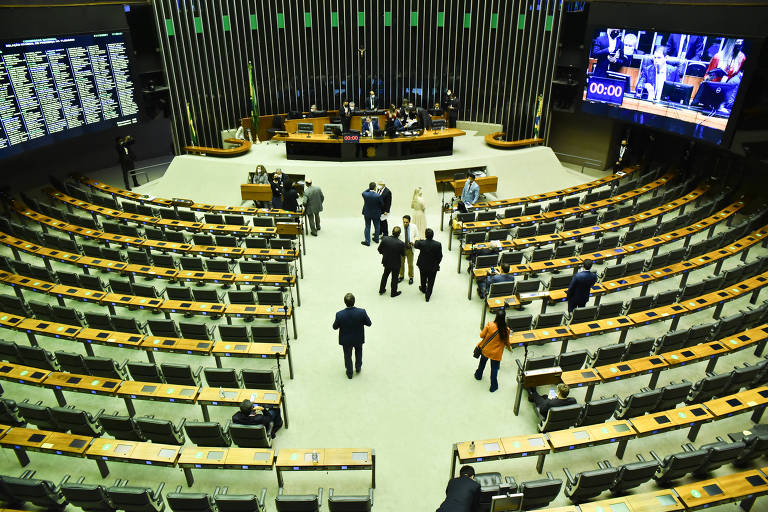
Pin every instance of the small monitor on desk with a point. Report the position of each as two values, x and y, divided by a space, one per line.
305 128
331 127
318 113
438 123
507 503
712 95
674 92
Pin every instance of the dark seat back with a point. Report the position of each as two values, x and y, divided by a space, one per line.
539 493
191 502
559 418
41 493
121 427
207 433
89 497
160 431
136 499
250 436
677 465
77 421
633 475
589 484
598 411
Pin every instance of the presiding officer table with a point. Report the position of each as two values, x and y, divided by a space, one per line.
319 146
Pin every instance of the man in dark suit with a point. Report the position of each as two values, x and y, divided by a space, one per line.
685 46
452 107
484 285
545 403
391 249
608 49
386 204
430 256
581 284
370 102
253 414
655 71
462 493
351 322
280 185
371 213
345 116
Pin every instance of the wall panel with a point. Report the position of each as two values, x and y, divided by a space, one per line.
497 56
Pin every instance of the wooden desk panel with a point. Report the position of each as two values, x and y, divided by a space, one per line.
82 383
52 329
658 501
233 396
544 335
738 403
631 368
677 418
578 378
608 432
601 326
109 338
22 374
133 452
328 458
176 345
159 392
46 441
243 349
723 489
695 353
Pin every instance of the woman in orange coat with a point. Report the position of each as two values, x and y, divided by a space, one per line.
498 333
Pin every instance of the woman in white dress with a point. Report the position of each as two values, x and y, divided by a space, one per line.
419 218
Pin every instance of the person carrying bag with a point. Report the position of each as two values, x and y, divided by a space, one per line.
495 337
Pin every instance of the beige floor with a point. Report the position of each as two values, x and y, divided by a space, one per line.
415 396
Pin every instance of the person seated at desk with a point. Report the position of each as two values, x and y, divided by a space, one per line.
462 493
411 117
436 110
483 285
557 398
352 107
654 73
254 414
369 126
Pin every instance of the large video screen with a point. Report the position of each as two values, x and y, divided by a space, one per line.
682 83
59 87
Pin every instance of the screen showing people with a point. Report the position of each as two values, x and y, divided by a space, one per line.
57 87
682 83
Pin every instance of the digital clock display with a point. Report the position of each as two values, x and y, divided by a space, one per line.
606 90
351 137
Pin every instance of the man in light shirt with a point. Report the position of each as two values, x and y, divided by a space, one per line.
471 191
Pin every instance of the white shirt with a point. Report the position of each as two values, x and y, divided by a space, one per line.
412 233
661 76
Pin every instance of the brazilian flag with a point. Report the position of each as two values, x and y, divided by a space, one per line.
191 125
254 104
537 122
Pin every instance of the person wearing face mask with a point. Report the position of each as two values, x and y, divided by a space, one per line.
608 49
654 73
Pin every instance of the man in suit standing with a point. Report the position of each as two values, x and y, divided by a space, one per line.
430 256
471 191
386 204
452 106
653 75
608 49
462 493
280 185
351 323
371 213
392 250
409 236
370 103
581 284
345 116
313 205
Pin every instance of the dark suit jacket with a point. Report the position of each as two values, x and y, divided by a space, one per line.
351 324
257 419
578 290
430 255
544 403
648 76
370 103
386 200
371 204
695 46
600 51
280 186
391 249
461 495
291 200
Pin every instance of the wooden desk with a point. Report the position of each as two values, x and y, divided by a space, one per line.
13 372
692 416
61 381
90 336
325 459
537 336
177 345
255 192
224 458
232 397
55 330
261 311
496 140
103 450
22 439
274 351
486 184
214 309
500 448
326 147
744 401
633 367
664 500
618 431
130 390
744 486
710 350
584 377
241 147
596 327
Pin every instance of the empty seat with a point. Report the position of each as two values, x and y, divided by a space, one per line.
181 374
519 322
607 354
241 297
207 433
161 431
527 285
609 310
223 377
559 418
350 503
584 314
67 316
10 414
673 394
196 331
88 497
539 493
598 411
138 499
298 502
260 379
41 493
574 360
71 362
106 367
671 341
207 295
549 320
638 348
251 436
38 357
589 484
78 421
238 333
145 372
179 293
675 466
638 404
633 475
99 321
38 415
711 386
720 453
121 427
485 216
515 211
164 328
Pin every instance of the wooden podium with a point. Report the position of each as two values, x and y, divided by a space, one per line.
253 192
